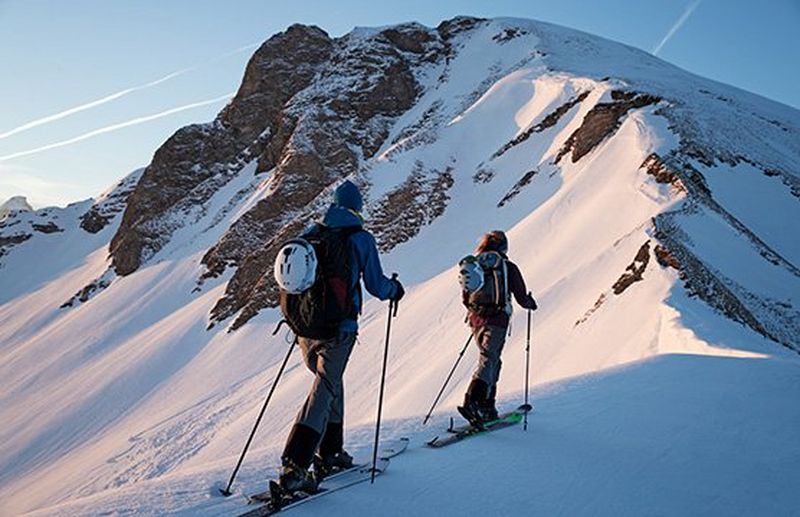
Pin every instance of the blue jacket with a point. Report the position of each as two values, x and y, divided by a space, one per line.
365 261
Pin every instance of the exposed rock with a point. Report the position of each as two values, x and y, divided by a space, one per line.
767 317
508 34
311 110
421 132
483 175
790 180
549 121
253 287
86 293
691 179
402 213
588 314
341 118
299 181
198 159
517 188
102 212
93 222
449 28
602 121
281 67
6 242
665 258
409 38
695 184
780 324
50 227
661 172
633 273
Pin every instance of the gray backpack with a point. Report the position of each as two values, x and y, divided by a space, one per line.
492 297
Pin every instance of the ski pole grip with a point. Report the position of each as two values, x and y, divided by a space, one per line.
395 302
278 327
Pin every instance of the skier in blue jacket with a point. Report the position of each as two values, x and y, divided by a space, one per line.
317 435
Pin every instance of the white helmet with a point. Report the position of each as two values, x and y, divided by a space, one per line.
296 266
470 274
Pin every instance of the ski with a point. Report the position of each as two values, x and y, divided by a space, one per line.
456 434
333 483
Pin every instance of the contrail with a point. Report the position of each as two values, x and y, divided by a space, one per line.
115 127
89 105
117 95
685 16
232 53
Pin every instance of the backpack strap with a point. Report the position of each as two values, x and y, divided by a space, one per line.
509 306
347 233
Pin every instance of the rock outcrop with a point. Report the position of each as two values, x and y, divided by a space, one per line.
110 205
401 213
327 130
602 121
198 159
635 270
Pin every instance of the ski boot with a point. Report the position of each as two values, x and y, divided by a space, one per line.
472 409
473 413
328 464
489 413
490 405
294 478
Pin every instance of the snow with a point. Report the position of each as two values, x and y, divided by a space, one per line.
762 203
627 440
654 404
18 203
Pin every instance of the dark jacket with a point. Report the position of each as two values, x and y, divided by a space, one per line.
365 260
516 284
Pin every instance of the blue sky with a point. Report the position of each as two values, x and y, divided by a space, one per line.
88 92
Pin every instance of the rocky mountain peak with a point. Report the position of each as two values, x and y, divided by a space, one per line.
198 159
312 110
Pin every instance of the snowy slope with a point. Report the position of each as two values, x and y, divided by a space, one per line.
649 401
14 203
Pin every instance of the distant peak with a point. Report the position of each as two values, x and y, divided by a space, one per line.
16 203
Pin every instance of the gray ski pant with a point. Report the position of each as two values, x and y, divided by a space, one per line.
326 359
490 341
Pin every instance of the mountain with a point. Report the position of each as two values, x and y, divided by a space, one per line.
653 213
14 203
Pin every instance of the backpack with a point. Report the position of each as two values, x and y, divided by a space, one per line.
316 311
492 297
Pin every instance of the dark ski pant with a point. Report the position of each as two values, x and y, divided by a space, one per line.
327 360
490 341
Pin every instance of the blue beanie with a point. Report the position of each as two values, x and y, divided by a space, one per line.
347 196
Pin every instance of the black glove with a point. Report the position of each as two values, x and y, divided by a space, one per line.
532 303
399 292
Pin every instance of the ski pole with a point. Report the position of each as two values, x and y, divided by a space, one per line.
527 366
227 490
392 314
452 371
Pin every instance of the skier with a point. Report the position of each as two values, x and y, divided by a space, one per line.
489 315
317 434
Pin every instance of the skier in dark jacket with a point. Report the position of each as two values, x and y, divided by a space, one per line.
489 333
317 435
